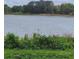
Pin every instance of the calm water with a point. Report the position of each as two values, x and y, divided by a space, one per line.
47 25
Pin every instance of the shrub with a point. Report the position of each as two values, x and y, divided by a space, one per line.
38 41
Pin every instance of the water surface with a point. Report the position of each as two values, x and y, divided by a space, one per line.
48 25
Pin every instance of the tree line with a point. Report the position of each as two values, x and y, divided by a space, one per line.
38 41
66 8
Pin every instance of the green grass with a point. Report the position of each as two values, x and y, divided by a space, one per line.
38 47
38 54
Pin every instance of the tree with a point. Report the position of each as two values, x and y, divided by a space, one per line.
25 9
7 9
56 9
67 8
16 9
36 7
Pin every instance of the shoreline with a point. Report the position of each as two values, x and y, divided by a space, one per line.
42 14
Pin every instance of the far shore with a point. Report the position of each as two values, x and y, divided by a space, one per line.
42 14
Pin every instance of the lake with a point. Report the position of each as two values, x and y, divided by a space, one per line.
48 25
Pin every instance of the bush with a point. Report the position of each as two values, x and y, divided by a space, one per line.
11 41
38 41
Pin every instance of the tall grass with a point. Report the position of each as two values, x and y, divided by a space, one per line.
38 41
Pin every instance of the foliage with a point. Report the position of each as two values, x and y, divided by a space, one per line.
38 54
11 41
16 9
7 9
38 41
67 8
40 8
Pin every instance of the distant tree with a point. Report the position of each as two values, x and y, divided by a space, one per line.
27 9
16 9
67 8
24 9
41 7
56 9
7 9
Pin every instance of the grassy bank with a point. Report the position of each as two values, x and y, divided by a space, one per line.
38 47
38 54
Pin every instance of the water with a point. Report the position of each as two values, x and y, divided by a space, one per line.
48 25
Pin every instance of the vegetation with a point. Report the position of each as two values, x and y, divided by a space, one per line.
40 9
38 54
38 41
67 8
38 47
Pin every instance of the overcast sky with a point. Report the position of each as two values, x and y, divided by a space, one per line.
22 2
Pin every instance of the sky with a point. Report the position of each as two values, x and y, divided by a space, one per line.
24 2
